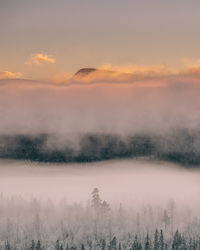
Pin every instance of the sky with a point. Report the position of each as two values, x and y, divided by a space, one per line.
49 39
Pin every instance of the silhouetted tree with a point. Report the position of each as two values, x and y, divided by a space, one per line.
136 244
103 244
7 246
147 244
113 244
38 246
177 241
32 245
162 244
96 201
156 243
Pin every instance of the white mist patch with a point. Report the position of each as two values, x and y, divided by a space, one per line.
130 182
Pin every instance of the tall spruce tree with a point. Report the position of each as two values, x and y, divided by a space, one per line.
147 243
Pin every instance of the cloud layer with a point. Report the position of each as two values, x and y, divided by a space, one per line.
109 73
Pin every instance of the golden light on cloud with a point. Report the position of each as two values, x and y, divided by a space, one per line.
108 73
122 74
40 58
143 70
10 75
193 69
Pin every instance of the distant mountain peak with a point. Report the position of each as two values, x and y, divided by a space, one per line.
84 72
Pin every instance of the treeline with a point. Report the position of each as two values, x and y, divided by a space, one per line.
180 146
156 242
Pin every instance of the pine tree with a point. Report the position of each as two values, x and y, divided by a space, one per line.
136 244
147 244
32 245
113 244
161 243
105 208
177 240
57 245
103 244
156 240
96 201
183 243
38 246
190 244
140 246
7 246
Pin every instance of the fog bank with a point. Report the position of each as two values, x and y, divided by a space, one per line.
156 117
133 182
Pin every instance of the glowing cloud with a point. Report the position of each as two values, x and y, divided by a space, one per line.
143 70
9 75
193 69
121 74
40 58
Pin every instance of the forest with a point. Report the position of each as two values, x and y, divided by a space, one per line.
35 224
179 146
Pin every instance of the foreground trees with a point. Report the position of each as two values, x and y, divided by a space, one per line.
156 242
35 225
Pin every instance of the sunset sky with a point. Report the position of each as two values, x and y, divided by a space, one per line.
45 39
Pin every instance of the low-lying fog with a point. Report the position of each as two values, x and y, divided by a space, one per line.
126 181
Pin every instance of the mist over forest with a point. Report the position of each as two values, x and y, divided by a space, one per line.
157 118
180 146
147 194
35 224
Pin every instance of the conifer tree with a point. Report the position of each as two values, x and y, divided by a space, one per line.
156 241
96 201
57 245
147 244
136 244
7 246
32 245
161 241
103 244
177 240
38 246
113 244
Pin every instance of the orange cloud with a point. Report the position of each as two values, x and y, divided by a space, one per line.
142 70
10 75
121 74
109 73
40 58
193 69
